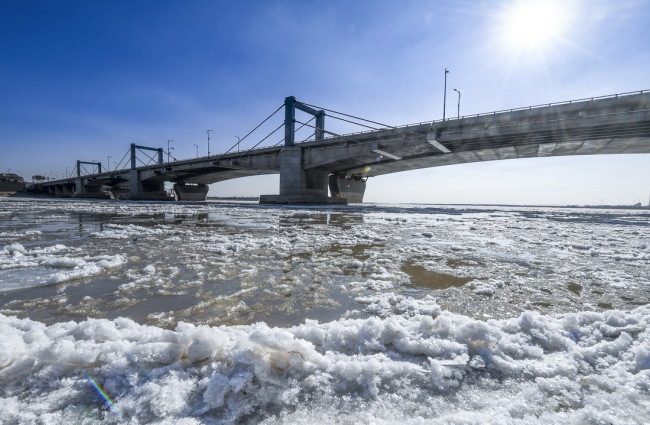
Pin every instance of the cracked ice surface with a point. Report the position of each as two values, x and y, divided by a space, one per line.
225 313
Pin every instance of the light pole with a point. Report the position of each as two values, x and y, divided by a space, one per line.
197 149
458 102
238 140
108 164
66 172
168 148
209 142
444 99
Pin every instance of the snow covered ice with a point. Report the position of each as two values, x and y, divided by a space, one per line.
221 313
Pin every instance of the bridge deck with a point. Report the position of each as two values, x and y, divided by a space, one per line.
612 125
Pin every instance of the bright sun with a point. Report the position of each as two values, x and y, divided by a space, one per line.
534 25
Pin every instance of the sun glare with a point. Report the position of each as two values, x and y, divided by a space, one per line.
533 25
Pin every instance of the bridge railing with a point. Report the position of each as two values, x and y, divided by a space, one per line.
483 114
566 102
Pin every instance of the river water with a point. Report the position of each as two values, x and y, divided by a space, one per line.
238 313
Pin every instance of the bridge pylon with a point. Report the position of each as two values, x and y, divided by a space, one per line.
139 189
297 184
84 186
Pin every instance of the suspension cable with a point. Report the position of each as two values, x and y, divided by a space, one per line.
358 118
352 122
147 155
250 132
258 143
309 137
331 132
350 116
141 162
123 158
258 126
322 129
298 129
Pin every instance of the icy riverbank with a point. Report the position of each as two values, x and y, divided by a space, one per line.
579 368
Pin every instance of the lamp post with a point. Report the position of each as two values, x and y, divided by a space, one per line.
197 149
238 140
168 148
444 99
66 172
108 164
209 142
458 102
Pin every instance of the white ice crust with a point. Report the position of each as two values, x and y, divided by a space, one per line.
50 265
427 366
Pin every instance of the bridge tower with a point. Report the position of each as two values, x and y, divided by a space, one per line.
83 187
140 189
297 184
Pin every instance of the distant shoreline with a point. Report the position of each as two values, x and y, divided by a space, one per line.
233 198
257 198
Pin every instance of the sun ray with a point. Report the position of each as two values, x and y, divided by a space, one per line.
533 29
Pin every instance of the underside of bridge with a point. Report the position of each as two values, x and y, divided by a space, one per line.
616 125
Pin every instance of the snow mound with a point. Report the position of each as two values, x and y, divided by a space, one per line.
579 368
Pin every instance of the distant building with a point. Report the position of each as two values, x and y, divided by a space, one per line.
11 183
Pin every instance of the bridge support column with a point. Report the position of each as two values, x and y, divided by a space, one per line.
189 192
84 189
300 186
64 190
351 188
145 191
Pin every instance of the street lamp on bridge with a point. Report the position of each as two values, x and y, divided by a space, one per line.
458 102
197 149
444 98
209 141
168 148
238 140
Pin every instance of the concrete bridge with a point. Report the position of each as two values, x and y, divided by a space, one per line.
341 164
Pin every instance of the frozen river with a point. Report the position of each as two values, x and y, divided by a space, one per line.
239 313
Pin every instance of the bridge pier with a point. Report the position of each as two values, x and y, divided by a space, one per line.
188 192
85 189
351 188
64 190
145 190
300 186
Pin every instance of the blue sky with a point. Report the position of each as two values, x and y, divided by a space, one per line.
84 79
